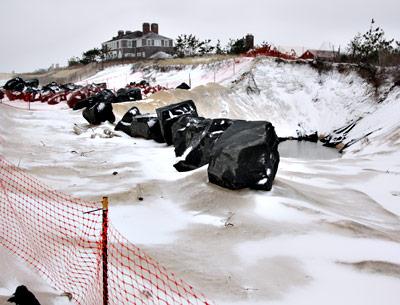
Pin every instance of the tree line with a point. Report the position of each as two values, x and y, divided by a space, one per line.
372 47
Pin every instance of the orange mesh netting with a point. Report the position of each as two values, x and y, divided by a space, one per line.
61 237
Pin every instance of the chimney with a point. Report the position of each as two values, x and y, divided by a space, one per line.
146 28
154 28
249 42
120 33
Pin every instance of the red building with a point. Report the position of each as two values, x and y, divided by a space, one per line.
320 54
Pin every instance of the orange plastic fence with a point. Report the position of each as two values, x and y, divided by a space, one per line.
54 233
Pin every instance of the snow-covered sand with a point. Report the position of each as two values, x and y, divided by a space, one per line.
328 232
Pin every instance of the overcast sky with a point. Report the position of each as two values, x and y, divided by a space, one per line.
36 33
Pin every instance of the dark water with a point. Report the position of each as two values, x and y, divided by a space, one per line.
307 151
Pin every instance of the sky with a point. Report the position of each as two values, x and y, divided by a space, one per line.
38 33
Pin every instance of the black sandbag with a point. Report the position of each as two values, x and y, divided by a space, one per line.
200 146
246 155
183 86
311 137
147 126
124 124
15 84
22 296
128 94
184 129
52 87
144 83
168 115
99 113
70 87
33 83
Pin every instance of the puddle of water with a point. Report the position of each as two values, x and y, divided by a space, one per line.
307 151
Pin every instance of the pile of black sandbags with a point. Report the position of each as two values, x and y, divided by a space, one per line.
30 91
98 106
240 154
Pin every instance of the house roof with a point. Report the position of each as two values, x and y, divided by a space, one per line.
152 35
323 53
138 34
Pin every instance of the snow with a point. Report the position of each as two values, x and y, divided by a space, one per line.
328 232
197 74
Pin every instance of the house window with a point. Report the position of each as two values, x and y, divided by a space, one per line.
133 43
170 43
143 42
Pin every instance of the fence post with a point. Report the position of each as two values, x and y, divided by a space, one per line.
104 242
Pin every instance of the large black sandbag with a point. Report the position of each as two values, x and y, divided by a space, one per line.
15 84
128 94
246 155
104 96
147 126
99 113
168 115
22 296
184 129
124 124
183 86
200 146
